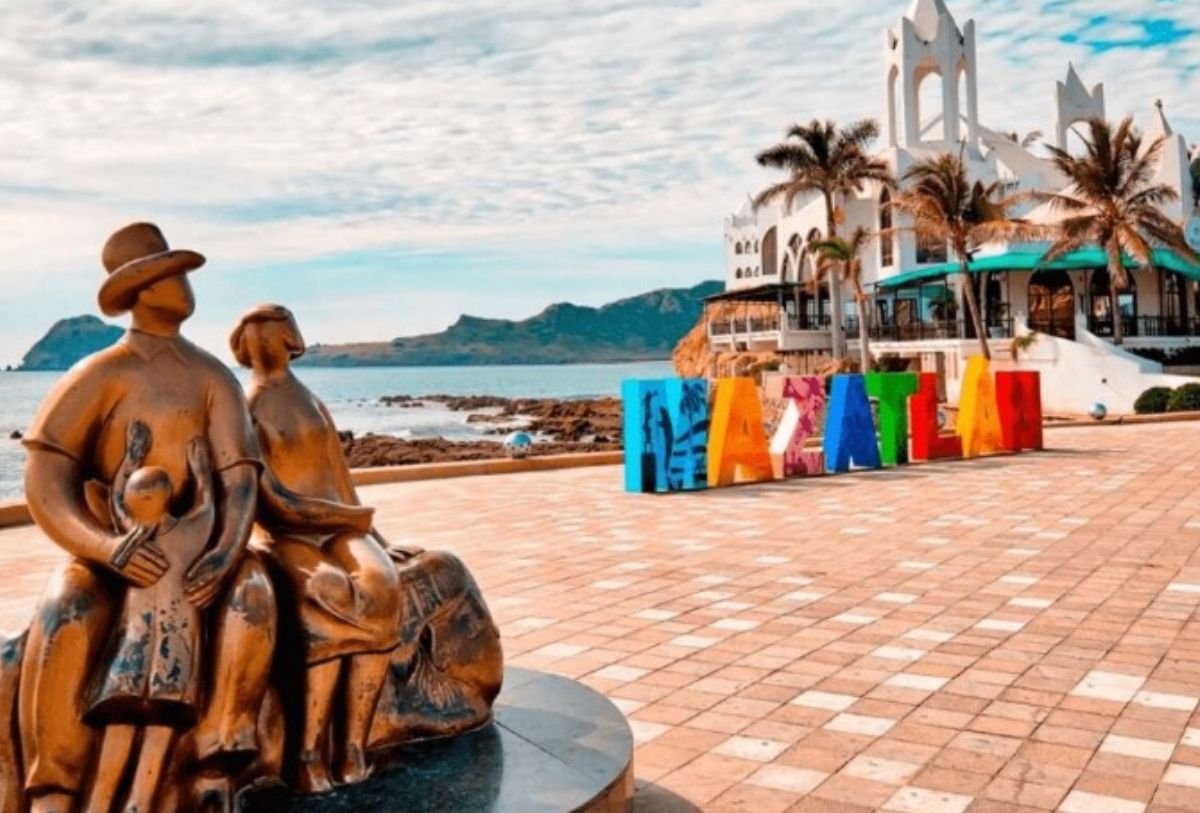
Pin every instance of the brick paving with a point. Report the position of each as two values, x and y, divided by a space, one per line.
1010 634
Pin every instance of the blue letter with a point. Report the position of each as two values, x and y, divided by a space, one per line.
849 430
666 434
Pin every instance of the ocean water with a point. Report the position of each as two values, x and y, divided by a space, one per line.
352 395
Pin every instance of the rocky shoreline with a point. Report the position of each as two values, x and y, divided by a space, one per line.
558 426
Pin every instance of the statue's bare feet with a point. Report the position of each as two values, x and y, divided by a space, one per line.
355 767
312 775
52 803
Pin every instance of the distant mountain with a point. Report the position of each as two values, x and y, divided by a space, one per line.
68 341
645 327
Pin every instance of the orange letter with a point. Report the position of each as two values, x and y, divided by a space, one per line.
737 443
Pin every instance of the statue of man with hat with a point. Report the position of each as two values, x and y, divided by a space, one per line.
157 380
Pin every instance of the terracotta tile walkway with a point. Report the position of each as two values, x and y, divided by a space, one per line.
1010 634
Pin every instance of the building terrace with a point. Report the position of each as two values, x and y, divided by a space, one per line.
916 311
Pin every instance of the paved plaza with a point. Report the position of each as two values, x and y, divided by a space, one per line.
1016 633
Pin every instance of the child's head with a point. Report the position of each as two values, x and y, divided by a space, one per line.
147 494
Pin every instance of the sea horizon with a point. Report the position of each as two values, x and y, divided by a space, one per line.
353 396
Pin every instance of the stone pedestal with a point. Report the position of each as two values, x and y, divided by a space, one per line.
555 746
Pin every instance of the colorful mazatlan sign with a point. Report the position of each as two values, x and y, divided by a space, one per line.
671 444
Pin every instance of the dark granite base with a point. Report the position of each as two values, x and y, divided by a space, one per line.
555 746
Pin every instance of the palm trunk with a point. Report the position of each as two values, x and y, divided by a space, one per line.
1114 277
863 329
836 332
973 308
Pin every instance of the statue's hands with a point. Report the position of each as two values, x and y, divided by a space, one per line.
136 557
205 577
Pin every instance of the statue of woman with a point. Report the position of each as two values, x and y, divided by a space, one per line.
361 605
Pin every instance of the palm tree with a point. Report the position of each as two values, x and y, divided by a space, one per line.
1030 138
946 208
822 157
1112 203
840 258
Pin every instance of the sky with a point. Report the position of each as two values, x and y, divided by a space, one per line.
382 166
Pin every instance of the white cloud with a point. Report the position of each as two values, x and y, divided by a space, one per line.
281 130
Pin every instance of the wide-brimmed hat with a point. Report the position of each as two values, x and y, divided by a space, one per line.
136 257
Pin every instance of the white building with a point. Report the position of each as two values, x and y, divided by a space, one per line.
930 105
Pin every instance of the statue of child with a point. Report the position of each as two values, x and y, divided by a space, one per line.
150 677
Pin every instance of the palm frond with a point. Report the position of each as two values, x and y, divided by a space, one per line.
773 192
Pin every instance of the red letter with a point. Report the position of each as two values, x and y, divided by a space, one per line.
1019 397
926 443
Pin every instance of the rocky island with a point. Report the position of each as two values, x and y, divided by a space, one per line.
69 340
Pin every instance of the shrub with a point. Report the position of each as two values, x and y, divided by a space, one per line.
1184 399
1152 401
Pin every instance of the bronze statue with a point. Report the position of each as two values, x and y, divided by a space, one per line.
76 444
360 603
152 677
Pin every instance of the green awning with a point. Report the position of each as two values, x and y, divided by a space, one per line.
1032 261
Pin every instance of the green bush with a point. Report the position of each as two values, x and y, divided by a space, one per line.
1185 399
1152 401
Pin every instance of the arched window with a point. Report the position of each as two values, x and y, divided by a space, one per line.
931 118
887 242
738 275
813 236
738 249
791 259
1076 145
1051 303
769 256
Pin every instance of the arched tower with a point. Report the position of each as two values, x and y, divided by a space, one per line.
928 46
1076 104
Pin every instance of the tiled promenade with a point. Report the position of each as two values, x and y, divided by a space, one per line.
1009 634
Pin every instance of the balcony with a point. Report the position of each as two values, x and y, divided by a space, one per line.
784 333
931 330
1152 327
